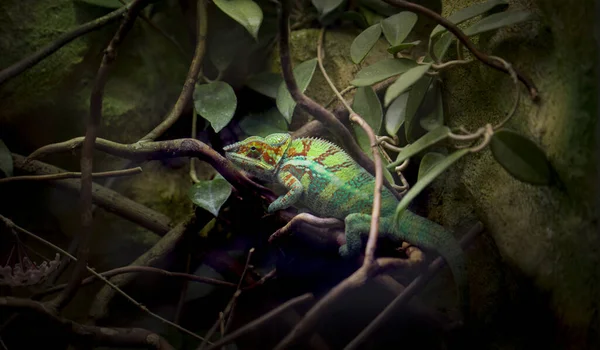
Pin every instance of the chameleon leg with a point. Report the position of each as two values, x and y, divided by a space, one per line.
306 219
358 226
295 190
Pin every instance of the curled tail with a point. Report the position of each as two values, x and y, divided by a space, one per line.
427 234
420 232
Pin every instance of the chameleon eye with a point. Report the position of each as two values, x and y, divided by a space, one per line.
253 148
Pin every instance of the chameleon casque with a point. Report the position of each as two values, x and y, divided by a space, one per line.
320 176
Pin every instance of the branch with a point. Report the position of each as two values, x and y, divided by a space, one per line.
30 61
269 316
109 200
89 335
72 175
313 108
413 288
87 156
192 77
453 28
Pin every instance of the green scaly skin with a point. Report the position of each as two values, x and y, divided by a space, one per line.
323 178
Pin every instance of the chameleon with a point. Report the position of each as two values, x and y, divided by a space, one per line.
323 178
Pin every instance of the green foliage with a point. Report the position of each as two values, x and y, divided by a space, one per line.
210 195
521 157
303 74
367 105
382 70
471 12
326 6
415 101
215 102
404 82
364 42
404 46
355 17
397 27
266 83
496 21
395 114
264 124
371 17
6 161
427 178
428 161
434 117
245 12
429 139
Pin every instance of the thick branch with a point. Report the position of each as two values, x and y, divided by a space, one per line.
453 28
87 156
89 335
192 77
30 61
319 112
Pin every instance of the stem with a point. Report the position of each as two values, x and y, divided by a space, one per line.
72 175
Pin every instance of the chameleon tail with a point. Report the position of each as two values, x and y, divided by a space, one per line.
427 234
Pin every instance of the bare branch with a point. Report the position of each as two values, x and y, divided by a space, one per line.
72 175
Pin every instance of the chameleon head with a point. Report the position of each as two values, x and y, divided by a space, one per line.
259 156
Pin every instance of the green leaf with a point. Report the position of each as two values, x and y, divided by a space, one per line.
379 6
355 17
428 161
266 83
210 195
364 42
6 161
394 117
303 74
264 124
429 139
497 20
415 101
382 70
470 12
110 4
442 45
404 82
326 6
245 12
435 118
367 105
220 51
397 27
433 173
371 17
521 157
405 46
215 102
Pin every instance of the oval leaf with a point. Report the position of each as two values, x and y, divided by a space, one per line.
433 173
397 27
367 105
264 124
215 102
417 95
442 45
394 117
429 139
6 161
404 82
245 12
326 6
428 162
364 42
371 17
382 70
266 83
497 20
521 157
210 195
303 74
355 17
401 47
435 118
470 12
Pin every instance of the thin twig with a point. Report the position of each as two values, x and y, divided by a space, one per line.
326 117
73 175
515 79
239 288
193 73
269 316
87 154
193 174
9 223
33 59
214 327
449 64
413 288
454 29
